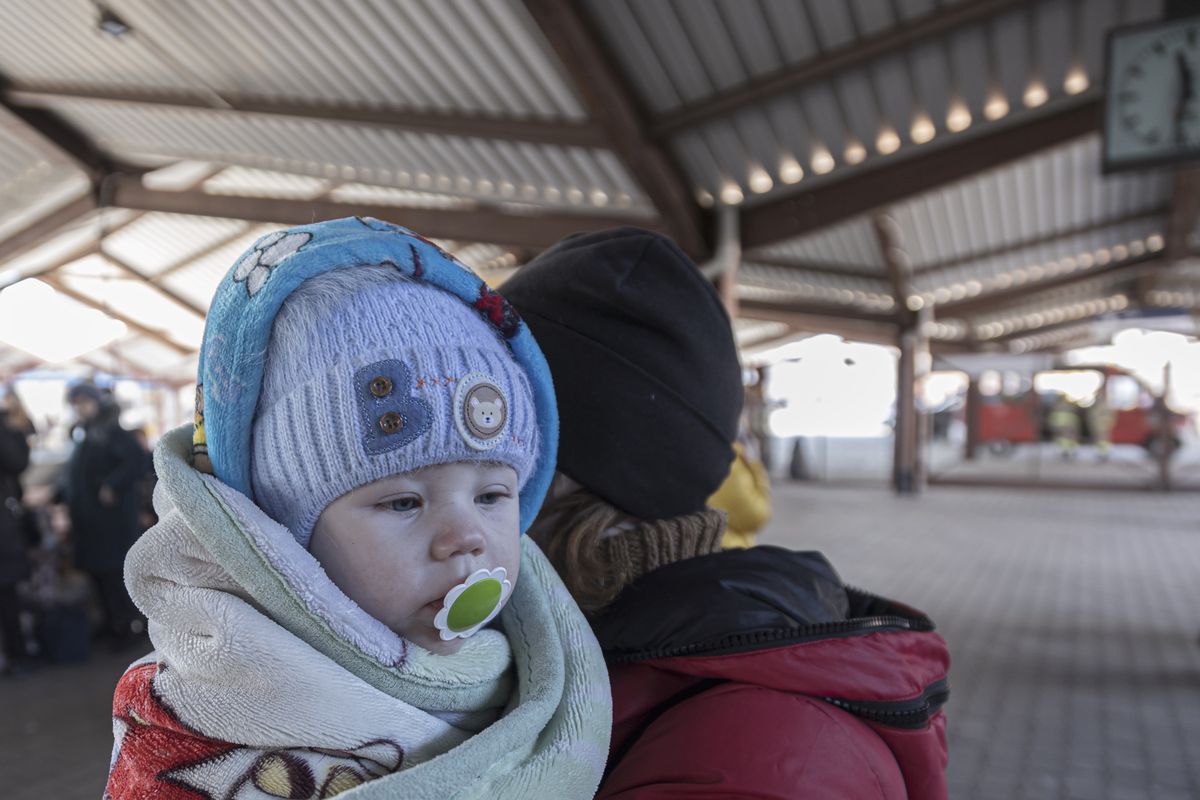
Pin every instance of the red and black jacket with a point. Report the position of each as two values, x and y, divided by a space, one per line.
757 673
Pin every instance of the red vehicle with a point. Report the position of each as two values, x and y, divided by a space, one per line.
1008 420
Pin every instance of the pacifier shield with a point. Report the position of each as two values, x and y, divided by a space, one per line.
473 603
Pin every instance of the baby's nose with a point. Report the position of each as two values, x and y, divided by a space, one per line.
459 537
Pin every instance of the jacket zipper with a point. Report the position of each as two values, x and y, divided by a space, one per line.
909 714
781 636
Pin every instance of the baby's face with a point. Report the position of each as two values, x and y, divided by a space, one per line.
396 546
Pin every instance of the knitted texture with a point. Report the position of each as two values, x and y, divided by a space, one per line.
316 435
654 544
241 317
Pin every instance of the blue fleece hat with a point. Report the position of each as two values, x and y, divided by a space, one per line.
428 368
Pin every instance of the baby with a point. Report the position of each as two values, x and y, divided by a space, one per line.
340 532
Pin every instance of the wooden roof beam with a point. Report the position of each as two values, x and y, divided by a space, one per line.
537 231
45 226
131 323
137 274
206 251
927 169
1183 219
825 66
555 132
613 108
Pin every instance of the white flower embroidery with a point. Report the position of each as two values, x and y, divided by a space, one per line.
271 251
478 608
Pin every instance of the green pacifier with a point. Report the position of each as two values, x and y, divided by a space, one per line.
473 603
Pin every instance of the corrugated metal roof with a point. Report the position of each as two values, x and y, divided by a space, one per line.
852 244
783 284
1032 264
246 182
546 176
470 56
677 56
1048 194
74 237
30 182
156 242
1081 301
135 299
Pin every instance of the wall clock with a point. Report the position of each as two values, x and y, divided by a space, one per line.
1152 95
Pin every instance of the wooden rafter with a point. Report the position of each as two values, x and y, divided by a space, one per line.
827 65
481 225
555 132
45 226
133 324
612 107
894 181
208 250
83 251
137 274
57 137
1015 294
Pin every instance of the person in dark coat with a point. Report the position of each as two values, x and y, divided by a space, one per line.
102 488
15 429
742 673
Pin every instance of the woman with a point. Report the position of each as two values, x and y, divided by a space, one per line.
15 429
741 673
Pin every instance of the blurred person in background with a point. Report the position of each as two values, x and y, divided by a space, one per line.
1100 418
1065 425
15 430
739 673
103 494
745 496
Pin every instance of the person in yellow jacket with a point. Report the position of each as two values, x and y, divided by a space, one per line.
745 497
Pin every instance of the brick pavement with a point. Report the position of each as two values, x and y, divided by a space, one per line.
1072 619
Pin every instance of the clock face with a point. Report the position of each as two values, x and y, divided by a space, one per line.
1153 109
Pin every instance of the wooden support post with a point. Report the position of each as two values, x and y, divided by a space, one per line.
974 398
904 463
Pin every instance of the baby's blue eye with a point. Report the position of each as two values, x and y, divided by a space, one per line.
404 504
491 498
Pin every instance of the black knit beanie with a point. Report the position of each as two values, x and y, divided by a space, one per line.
644 365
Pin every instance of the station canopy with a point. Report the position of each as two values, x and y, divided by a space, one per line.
880 164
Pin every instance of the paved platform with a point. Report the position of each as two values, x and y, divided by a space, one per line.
1073 619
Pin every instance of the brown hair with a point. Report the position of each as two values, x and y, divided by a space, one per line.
598 549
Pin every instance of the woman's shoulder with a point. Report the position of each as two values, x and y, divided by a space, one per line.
757 741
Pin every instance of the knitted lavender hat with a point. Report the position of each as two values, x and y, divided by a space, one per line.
371 353
369 374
